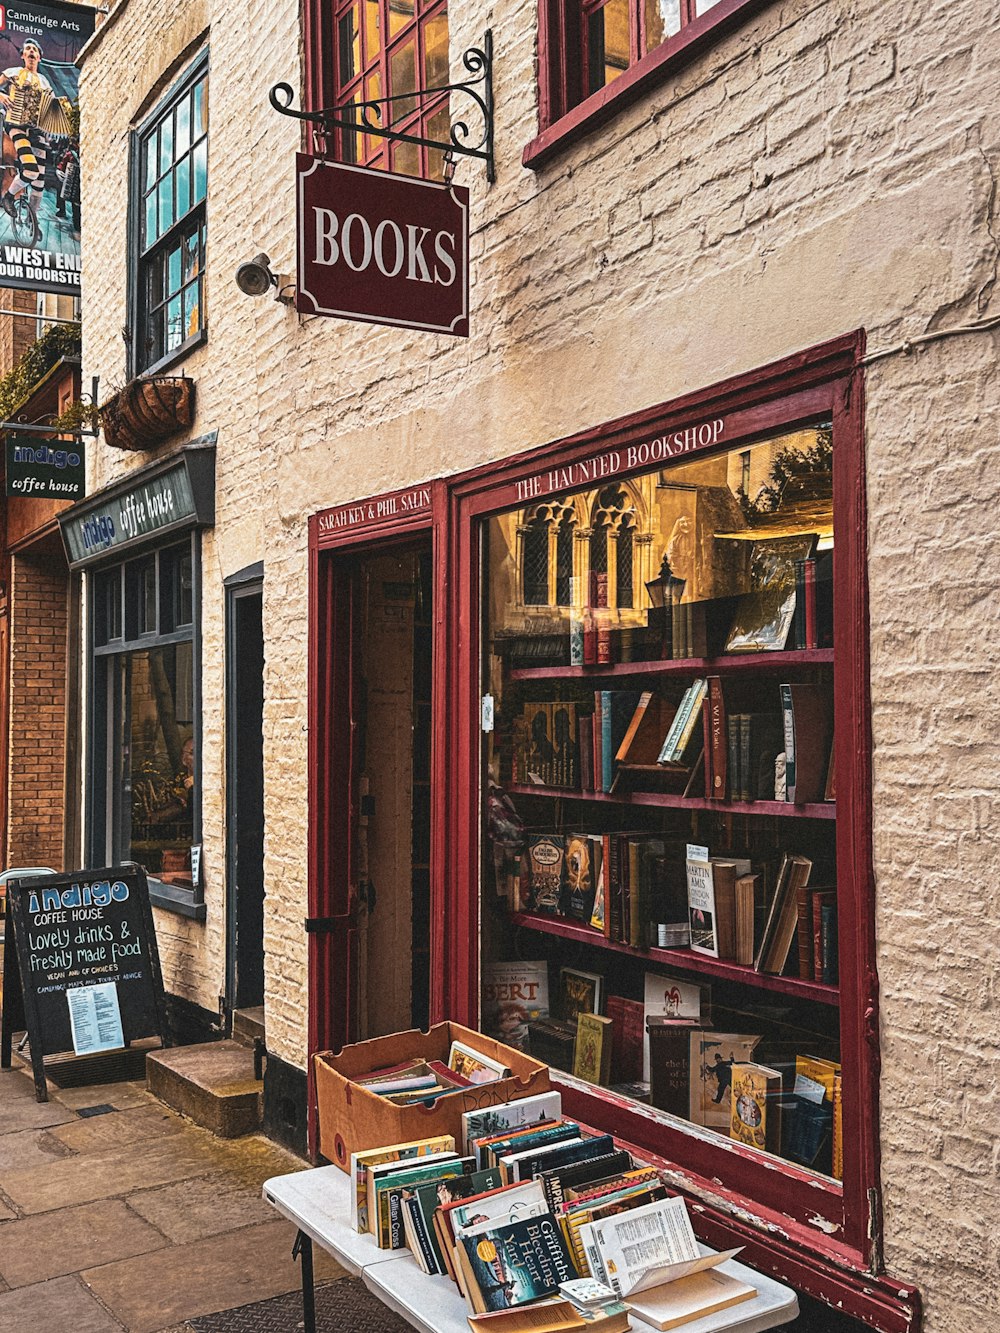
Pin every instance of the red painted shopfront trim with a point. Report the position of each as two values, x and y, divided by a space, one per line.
333 761
828 1243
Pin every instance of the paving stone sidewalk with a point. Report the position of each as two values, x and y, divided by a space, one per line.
132 1218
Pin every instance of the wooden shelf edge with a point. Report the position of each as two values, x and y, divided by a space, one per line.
680 666
668 800
681 959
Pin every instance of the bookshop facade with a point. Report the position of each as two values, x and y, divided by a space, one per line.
616 810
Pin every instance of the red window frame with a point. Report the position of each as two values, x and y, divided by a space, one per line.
566 110
332 81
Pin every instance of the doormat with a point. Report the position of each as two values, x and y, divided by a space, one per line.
344 1304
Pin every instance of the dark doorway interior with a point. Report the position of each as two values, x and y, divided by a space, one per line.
245 790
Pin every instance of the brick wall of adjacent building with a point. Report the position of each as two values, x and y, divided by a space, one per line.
825 166
16 335
36 773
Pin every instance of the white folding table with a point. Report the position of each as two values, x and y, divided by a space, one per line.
318 1202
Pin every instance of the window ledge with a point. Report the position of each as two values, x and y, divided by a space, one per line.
177 355
170 898
638 80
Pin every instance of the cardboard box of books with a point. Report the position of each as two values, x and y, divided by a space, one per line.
354 1119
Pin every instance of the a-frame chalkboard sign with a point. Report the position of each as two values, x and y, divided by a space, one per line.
81 970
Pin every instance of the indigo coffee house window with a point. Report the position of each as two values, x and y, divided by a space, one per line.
170 182
143 619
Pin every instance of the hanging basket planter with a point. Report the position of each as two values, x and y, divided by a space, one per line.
147 411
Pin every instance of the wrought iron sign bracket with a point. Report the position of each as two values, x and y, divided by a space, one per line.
77 430
366 117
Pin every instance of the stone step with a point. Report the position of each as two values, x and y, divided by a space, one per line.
248 1025
213 1084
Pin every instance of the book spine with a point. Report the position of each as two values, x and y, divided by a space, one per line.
811 640
788 723
608 870
716 739
693 713
706 725
799 619
828 944
733 744
607 749
746 720
674 729
803 933
634 897
419 1229
598 740
817 936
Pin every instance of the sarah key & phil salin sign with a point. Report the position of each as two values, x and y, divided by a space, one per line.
40 179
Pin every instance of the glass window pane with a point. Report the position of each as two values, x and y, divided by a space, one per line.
403 78
436 50
199 118
400 14
183 129
192 309
608 43
373 35
625 924
166 144
152 158
182 182
166 209
192 255
438 127
703 6
200 171
662 19
160 763
406 159
149 228
348 46
175 331
173 271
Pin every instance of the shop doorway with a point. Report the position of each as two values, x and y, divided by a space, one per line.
391 717
373 753
245 789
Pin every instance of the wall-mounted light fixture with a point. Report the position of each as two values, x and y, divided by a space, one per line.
255 278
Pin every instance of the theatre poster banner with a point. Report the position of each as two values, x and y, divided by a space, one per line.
40 179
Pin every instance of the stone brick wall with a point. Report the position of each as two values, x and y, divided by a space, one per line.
823 167
16 335
36 773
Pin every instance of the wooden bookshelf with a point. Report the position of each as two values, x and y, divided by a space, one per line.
680 959
733 664
669 800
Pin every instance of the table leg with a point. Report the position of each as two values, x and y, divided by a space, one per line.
303 1249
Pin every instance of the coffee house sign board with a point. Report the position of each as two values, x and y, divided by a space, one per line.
382 248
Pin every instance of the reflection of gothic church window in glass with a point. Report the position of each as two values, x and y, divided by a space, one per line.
564 562
623 573
536 562
599 546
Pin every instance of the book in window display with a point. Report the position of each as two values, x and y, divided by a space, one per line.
763 616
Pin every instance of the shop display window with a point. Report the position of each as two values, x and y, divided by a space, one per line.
663 898
146 756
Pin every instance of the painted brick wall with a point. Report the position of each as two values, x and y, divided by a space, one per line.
39 601
824 167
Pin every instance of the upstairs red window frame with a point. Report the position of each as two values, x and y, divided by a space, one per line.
329 84
566 113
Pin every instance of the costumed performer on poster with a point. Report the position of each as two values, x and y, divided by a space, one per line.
30 109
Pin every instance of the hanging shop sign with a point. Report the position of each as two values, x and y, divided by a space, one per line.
81 971
382 248
45 470
172 495
40 217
